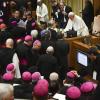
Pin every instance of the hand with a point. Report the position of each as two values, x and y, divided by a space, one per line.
75 72
64 13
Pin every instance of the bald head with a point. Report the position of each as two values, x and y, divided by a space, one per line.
6 91
9 43
50 50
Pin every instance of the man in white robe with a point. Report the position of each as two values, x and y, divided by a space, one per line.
75 22
41 12
96 26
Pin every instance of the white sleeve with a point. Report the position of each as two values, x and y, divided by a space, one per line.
15 60
84 29
38 11
45 11
68 26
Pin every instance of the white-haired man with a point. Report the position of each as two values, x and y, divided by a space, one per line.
76 23
7 56
41 12
6 92
47 63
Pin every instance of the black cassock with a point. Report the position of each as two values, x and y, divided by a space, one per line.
4 35
6 55
61 52
23 91
29 26
25 56
17 32
47 64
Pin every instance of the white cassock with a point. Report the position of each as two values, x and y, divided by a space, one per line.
15 61
78 25
42 11
96 25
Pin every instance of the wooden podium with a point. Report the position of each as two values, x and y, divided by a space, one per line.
76 43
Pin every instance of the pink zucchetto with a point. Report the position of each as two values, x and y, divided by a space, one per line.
33 24
71 75
10 67
14 23
36 44
28 38
36 76
40 89
3 26
87 87
44 82
8 77
26 76
1 20
73 92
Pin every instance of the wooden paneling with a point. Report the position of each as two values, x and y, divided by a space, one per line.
96 5
77 44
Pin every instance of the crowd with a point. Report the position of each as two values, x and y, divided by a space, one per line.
34 55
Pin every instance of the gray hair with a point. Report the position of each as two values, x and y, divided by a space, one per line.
10 42
6 91
71 14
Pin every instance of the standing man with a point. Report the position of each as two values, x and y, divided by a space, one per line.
47 63
63 14
7 56
55 9
88 14
41 12
23 50
76 23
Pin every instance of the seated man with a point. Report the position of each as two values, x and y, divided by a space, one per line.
75 23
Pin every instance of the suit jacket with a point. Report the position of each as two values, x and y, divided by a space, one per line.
47 64
23 91
63 19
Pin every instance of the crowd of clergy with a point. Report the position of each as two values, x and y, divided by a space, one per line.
34 55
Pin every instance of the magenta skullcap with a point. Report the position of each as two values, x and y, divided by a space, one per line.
1 20
3 26
87 87
10 67
44 82
40 90
26 76
95 85
73 92
28 38
8 77
36 44
33 24
14 23
71 74
36 76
